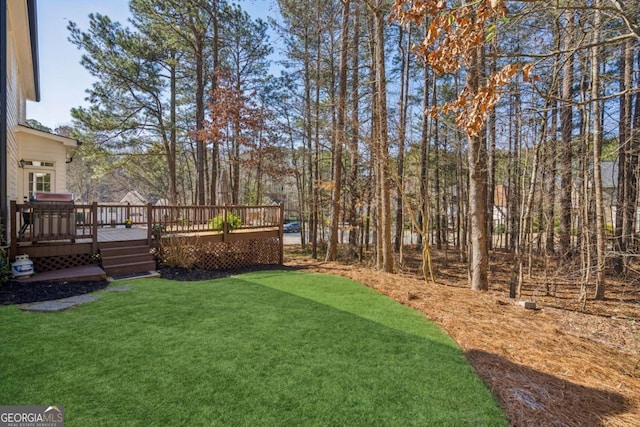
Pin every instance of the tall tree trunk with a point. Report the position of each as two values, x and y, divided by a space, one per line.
515 185
635 149
632 147
620 242
171 161
215 150
374 141
597 155
477 157
491 161
332 248
566 123
403 104
315 201
355 136
381 83
424 154
437 190
308 131
200 145
550 194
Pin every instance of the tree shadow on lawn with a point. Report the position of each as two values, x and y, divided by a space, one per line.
531 397
392 368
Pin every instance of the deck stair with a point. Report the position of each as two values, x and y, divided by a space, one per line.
126 258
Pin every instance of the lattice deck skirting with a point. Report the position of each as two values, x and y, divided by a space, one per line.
240 254
53 263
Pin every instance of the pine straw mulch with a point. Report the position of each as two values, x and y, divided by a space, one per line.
554 366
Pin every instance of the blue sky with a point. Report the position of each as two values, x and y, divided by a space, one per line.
63 80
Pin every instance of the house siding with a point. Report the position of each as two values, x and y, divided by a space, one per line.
15 109
36 148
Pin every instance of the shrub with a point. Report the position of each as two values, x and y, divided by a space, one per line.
233 221
157 229
5 266
179 252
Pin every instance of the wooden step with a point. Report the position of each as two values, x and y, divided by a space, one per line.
110 261
128 250
126 258
134 267
124 250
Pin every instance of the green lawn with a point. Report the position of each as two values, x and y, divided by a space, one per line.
264 348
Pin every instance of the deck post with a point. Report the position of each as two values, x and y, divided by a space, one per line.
12 223
94 226
225 227
149 223
281 232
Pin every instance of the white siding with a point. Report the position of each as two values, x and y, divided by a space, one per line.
20 85
35 148
14 95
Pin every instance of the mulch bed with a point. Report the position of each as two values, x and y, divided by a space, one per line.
22 293
15 292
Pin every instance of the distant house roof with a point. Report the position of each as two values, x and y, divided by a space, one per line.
134 198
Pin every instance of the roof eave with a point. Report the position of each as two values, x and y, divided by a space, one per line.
33 36
64 140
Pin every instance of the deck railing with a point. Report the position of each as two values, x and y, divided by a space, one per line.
181 219
50 222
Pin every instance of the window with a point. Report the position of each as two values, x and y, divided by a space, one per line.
39 164
39 182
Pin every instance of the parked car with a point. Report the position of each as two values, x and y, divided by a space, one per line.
292 227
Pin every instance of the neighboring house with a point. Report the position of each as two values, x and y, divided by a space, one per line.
609 172
610 190
500 210
30 160
133 198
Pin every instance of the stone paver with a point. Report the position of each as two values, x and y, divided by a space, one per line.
59 305
66 303
47 306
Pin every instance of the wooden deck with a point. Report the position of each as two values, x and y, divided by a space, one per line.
119 234
61 237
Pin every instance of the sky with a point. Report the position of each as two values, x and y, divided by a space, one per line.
63 81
